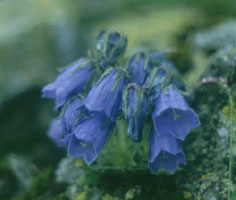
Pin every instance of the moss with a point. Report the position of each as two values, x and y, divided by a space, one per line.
28 196
82 195
206 176
107 197
226 111
207 173
187 195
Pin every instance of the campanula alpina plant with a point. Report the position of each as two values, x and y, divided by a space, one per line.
147 90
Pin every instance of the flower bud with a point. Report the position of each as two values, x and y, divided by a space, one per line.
139 68
135 109
111 45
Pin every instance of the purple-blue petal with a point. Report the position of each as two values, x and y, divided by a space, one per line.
49 91
104 98
160 143
56 132
89 137
154 88
73 110
111 46
135 116
165 152
68 83
137 69
160 59
167 161
78 148
172 115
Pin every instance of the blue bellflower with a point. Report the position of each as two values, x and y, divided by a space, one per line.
135 109
69 82
139 67
158 59
172 115
165 152
157 80
74 113
106 95
111 45
56 132
88 138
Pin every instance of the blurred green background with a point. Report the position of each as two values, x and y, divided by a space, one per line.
38 37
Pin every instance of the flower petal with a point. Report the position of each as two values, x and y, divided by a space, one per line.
160 143
172 115
165 152
139 67
104 98
56 132
69 82
89 137
137 106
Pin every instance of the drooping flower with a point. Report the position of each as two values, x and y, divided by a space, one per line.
74 113
165 152
56 132
135 109
88 138
111 45
139 68
172 114
156 81
106 95
159 58
69 82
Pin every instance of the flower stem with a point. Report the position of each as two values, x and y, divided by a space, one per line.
229 197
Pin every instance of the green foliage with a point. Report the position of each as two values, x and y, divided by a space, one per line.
42 181
43 187
121 153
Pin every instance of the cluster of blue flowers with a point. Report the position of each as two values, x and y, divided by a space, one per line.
91 93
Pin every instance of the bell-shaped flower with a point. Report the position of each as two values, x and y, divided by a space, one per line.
135 109
73 112
106 95
159 58
56 132
156 81
111 45
70 82
139 68
172 114
88 138
165 152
